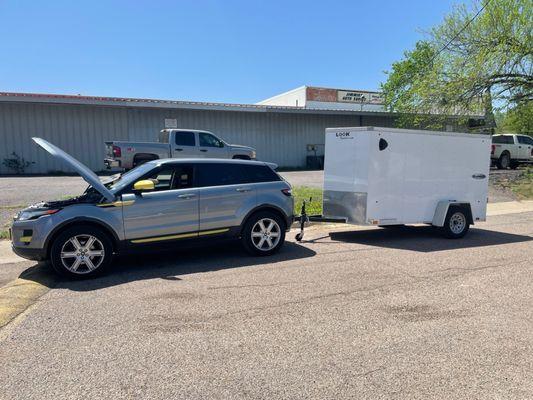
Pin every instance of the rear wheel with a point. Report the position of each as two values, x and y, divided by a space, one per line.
238 157
504 161
263 233
81 252
456 224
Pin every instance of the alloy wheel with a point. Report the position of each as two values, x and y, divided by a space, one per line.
82 254
266 234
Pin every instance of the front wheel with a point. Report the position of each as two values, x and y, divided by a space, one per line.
456 224
263 234
81 252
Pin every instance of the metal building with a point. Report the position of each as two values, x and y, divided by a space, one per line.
285 135
81 124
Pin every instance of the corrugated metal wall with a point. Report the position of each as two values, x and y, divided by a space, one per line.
82 129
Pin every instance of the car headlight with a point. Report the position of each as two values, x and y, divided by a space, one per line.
34 214
253 154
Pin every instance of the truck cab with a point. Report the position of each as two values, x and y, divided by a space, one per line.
174 143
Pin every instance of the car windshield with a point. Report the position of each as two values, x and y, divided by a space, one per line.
129 177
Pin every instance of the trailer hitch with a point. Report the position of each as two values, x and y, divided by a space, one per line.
303 218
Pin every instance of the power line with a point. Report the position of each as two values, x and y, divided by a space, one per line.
460 31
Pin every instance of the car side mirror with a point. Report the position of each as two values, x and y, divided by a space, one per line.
144 185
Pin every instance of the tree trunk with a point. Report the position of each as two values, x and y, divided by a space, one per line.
490 121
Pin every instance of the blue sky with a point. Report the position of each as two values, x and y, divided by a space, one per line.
224 51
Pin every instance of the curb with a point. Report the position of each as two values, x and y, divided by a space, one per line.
21 293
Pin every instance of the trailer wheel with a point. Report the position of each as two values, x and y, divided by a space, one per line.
456 224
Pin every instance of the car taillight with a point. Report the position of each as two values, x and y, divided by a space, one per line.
286 192
493 148
116 151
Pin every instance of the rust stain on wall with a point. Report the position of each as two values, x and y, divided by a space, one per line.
321 94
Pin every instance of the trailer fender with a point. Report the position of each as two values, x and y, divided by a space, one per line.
442 210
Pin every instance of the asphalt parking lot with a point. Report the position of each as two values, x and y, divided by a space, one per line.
365 313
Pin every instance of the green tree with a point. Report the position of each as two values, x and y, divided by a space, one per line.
517 120
480 56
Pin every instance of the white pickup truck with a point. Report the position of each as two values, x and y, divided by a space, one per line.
511 150
174 143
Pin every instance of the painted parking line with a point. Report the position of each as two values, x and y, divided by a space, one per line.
18 295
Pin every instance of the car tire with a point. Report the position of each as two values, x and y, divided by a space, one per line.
241 157
263 233
504 161
70 254
456 224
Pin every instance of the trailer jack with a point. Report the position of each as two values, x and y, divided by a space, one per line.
303 218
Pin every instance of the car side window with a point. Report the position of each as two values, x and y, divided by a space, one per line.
172 177
220 174
525 140
498 139
208 140
184 139
162 179
261 173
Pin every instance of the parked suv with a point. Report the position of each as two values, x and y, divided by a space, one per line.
174 143
162 201
511 150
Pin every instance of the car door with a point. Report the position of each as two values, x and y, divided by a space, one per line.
211 147
226 195
170 211
184 145
525 146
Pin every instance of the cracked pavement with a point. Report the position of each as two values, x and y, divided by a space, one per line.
349 313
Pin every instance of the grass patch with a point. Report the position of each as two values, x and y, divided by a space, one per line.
302 193
4 235
12 207
523 186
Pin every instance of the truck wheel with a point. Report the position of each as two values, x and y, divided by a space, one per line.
81 252
263 234
456 224
241 158
504 161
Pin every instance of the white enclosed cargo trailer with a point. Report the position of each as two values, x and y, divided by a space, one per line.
387 176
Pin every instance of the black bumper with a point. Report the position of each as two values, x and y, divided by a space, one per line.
29 253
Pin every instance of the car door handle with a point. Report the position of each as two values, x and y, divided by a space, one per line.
186 196
243 190
204 150
179 149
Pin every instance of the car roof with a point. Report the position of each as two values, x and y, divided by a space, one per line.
164 161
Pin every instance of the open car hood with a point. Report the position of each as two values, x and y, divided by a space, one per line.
89 176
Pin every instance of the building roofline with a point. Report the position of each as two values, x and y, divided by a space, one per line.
44 98
304 87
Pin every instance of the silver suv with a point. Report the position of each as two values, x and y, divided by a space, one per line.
162 201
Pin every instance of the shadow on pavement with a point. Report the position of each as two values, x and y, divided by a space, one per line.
168 264
426 238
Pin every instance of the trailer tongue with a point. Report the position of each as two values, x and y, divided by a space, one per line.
387 177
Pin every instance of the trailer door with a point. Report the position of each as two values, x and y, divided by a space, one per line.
386 178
